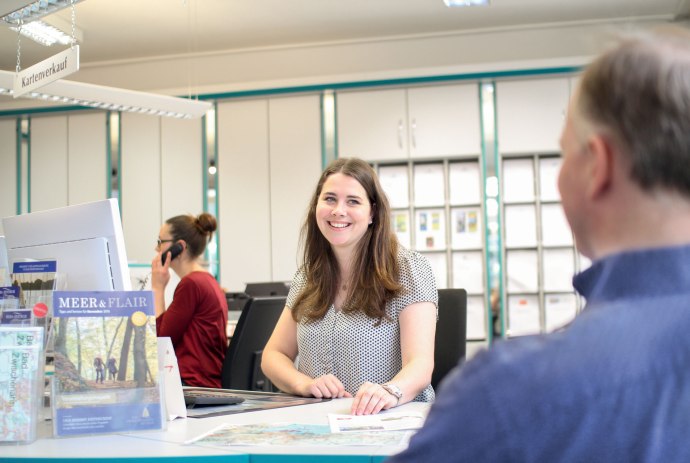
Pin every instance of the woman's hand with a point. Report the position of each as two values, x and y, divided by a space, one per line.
160 275
326 386
371 399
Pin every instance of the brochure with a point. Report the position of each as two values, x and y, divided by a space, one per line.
10 312
21 381
384 421
290 434
106 363
36 281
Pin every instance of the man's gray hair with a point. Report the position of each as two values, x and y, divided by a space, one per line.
639 93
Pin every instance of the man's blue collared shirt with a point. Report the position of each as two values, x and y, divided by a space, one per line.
614 386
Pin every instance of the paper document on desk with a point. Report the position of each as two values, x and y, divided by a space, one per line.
290 434
381 422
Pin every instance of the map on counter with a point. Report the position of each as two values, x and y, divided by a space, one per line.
290 434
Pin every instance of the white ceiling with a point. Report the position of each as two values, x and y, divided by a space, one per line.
117 30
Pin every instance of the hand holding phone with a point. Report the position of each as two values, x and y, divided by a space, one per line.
174 251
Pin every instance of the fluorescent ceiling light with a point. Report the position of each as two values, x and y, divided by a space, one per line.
110 98
452 3
43 33
30 10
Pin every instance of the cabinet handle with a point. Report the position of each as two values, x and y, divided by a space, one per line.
400 130
414 134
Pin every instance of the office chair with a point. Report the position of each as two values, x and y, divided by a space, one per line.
451 332
242 364
267 288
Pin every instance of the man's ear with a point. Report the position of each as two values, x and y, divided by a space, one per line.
600 165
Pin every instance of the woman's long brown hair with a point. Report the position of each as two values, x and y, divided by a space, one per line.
374 271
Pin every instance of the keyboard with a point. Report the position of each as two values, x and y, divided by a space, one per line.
204 397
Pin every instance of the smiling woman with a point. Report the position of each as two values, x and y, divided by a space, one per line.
361 312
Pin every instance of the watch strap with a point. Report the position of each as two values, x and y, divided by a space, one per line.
393 390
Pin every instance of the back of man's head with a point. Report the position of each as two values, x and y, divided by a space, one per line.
639 94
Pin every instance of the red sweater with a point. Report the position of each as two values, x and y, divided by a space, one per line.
196 322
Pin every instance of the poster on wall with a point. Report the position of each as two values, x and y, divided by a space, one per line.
467 231
464 183
559 310
520 226
518 180
523 315
431 230
400 221
395 183
428 185
476 318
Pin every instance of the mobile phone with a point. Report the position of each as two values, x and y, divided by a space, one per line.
174 251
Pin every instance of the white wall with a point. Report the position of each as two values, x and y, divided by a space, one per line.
49 162
87 170
141 185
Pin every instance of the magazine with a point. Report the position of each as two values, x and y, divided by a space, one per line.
21 381
106 363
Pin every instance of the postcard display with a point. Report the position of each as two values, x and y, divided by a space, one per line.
538 249
437 210
25 347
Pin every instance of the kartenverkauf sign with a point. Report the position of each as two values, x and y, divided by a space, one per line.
49 70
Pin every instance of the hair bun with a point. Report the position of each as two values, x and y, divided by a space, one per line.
206 222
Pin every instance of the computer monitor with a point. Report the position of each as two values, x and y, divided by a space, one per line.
86 240
268 288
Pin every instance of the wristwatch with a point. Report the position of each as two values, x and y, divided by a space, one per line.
392 389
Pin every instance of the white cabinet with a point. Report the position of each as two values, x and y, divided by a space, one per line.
269 161
530 114
444 121
417 122
372 125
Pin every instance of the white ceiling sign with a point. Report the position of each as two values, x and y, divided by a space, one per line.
49 70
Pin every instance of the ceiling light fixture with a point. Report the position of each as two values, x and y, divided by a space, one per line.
110 98
43 33
458 3
28 11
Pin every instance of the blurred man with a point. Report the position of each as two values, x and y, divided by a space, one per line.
614 385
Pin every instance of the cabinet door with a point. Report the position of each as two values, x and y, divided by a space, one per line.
295 166
371 124
530 114
243 193
444 121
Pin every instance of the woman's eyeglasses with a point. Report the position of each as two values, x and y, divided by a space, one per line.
160 241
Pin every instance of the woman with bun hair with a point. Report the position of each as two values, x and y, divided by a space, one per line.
197 317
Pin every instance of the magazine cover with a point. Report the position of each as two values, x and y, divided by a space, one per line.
21 381
106 363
